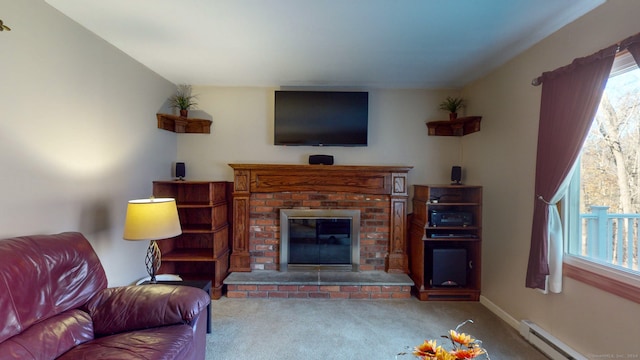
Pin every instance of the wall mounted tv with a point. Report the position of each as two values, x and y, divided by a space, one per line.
321 118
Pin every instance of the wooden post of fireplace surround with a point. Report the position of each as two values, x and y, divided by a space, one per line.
273 178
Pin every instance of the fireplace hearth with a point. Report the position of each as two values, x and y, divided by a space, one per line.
319 239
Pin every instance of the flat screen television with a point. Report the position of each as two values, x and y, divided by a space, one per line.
321 118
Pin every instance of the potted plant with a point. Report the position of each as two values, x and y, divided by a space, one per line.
452 105
183 100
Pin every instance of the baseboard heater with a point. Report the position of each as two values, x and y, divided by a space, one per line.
547 343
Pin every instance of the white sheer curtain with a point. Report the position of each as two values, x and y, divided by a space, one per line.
556 238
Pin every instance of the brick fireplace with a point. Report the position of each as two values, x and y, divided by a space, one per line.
379 193
261 190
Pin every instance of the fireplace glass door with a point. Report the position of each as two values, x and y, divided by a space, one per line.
320 241
318 238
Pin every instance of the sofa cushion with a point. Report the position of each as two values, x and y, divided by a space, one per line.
50 338
53 273
127 308
167 342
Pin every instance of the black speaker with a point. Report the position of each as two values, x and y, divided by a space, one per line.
456 175
181 170
320 159
449 267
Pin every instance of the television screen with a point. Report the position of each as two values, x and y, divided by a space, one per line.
321 118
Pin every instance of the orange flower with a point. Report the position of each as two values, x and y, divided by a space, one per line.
442 354
427 348
470 353
461 338
463 347
429 351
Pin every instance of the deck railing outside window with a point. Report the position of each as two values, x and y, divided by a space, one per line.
609 238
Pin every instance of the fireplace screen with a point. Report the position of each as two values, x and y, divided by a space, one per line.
317 238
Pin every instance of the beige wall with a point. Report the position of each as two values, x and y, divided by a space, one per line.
502 158
242 132
78 134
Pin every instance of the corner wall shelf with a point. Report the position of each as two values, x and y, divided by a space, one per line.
180 124
458 127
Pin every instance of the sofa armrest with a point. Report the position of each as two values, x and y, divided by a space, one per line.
128 308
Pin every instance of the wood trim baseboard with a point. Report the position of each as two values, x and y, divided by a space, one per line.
602 282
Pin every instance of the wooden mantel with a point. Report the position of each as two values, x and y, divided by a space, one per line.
269 178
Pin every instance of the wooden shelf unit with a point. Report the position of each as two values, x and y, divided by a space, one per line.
179 124
423 239
202 251
458 127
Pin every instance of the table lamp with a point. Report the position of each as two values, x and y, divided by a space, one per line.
150 220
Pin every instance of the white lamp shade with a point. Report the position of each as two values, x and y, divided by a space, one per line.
151 219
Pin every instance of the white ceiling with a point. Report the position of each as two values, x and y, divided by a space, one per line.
338 43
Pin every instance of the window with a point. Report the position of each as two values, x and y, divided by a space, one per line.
603 203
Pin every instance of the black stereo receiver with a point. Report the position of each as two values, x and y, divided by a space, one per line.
451 218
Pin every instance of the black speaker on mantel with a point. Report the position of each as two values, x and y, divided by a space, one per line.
181 170
456 175
320 159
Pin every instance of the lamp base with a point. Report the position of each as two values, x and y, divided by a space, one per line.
153 260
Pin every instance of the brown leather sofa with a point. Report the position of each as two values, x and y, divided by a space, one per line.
55 304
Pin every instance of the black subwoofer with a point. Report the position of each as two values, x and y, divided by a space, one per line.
449 267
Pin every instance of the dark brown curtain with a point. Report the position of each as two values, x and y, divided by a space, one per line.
570 98
633 45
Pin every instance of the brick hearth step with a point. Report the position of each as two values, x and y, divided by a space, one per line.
318 284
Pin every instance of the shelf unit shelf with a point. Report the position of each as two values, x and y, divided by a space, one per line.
458 127
189 255
422 243
436 228
193 230
435 205
431 239
179 124
194 205
202 250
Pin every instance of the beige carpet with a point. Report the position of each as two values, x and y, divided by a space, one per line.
317 329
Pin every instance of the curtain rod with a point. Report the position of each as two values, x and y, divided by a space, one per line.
537 80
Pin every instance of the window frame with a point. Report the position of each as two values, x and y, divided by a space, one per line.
607 277
602 277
